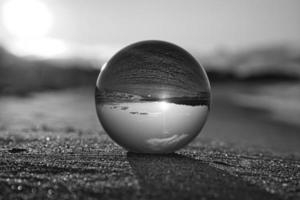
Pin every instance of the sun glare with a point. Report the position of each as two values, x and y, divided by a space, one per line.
163 105
45 47
23 19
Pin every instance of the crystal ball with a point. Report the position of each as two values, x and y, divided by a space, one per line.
152 97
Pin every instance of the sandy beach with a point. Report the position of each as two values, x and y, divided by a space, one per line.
51 139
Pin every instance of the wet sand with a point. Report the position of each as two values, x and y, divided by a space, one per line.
228 122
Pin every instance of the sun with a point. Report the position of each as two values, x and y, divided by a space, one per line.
23 19
29 22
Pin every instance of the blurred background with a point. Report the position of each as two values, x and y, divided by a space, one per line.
51 52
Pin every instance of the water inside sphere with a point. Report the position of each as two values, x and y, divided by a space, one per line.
152 97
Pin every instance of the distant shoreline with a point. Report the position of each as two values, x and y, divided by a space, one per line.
189 101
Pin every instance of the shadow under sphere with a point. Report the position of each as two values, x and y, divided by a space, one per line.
173 176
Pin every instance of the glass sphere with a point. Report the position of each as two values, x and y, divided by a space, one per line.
152 97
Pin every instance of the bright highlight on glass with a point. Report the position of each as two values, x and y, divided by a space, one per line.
163 106
152 97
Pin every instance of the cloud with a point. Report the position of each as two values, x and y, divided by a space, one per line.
158 143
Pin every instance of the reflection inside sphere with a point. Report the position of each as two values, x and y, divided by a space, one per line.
152 97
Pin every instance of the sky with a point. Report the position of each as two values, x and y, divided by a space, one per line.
96 28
